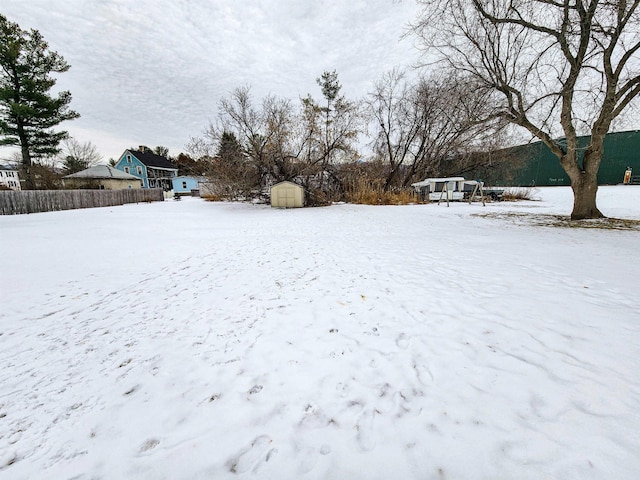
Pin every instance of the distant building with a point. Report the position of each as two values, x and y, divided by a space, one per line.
9 178
102 177
535 165
185 185
154 170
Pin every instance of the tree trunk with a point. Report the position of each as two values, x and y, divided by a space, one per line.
585 182
584 178
585 188
29 183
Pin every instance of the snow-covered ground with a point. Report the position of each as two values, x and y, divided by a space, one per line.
196 340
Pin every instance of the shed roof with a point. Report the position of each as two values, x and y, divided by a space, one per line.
103 171
287 182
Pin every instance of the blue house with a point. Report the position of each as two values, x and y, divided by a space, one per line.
154 170
183 185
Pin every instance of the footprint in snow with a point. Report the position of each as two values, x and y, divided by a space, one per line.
252 456
402 341
149 445
255 389
364 426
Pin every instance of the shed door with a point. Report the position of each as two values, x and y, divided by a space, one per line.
287 197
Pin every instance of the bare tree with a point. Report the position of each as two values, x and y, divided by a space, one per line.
430 127
46 174
554 68
397 124
231 175
76 156
264 133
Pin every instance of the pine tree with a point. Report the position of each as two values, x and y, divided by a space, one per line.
229 148
28 112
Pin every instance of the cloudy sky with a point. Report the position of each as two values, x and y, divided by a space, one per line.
151 72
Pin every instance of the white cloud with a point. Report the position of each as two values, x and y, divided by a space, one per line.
152 71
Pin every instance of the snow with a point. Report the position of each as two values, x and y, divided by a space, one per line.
193 340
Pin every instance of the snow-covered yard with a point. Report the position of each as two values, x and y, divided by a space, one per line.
196 340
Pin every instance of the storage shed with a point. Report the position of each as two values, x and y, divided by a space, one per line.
287 195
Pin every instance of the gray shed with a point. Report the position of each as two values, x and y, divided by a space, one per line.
103 177
287 195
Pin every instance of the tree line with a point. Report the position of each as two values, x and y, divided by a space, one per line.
554 70
413 129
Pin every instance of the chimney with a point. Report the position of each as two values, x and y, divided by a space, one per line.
142 148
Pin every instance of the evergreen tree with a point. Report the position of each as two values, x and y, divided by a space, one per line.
162 151
73 165
28 112
188 166
229 148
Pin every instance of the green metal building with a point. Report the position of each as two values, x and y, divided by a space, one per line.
539 167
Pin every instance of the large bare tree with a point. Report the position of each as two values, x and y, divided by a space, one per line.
429 126
557 68
264 133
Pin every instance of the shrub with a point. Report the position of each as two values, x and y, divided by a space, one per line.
369 194
514 194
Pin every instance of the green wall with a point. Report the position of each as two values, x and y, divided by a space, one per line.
542 168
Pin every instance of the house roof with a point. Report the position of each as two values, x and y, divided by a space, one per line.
150 159
102 171
197 178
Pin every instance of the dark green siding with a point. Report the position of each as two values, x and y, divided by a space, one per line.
542 168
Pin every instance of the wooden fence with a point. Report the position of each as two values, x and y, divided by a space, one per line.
33 201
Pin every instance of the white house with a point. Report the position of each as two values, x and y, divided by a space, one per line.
9 178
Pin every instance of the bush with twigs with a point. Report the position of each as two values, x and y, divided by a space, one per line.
514 194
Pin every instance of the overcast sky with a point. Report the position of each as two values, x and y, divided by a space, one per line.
151 72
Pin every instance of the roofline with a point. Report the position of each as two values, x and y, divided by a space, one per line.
133 152
161 168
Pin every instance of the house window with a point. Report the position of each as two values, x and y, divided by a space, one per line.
184 184
126 169
128 158
139 170
101 187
